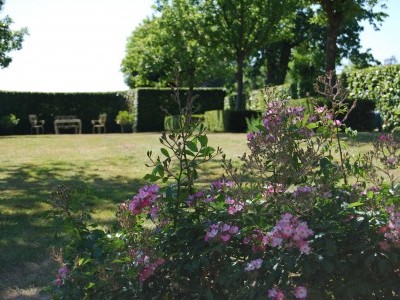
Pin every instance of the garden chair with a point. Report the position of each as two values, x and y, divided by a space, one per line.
100 123
36 124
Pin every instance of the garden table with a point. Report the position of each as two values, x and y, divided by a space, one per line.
66 122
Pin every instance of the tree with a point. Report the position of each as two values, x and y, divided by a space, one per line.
171 45
9 39
339 13
241 28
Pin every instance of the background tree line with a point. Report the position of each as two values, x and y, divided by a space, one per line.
247 44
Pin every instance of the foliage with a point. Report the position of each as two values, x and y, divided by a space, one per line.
228 120
152 105
286 224
171 44
344 17
10 40
379 84
124 118
9 121
243 28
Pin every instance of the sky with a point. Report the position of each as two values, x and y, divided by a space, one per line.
78 45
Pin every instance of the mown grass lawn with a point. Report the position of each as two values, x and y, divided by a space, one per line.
106 168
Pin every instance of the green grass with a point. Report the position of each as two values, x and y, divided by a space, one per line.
110 166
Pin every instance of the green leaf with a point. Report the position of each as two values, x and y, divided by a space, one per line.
165 152
355 204
192 146
203 139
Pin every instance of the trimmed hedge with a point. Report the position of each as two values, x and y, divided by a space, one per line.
87 106
228 120
279 92
172 122
362 118
151 104
381 85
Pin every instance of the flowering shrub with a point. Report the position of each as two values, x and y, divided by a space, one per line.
286 225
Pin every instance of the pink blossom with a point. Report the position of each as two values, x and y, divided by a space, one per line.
276 294
287 231
300 292
225 237
338 123
234 229
253 265
229 200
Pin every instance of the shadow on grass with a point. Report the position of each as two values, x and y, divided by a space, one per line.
26 232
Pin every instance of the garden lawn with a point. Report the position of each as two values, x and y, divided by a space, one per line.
106 169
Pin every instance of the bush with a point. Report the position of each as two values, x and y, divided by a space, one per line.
7 123
175 122
228 120
381 85
287 223
153 105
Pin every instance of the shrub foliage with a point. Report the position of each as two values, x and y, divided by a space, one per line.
287 224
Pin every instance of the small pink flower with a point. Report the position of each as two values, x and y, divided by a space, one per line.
254 265
338 123
276 294
234 229
300 292
225 237
305 248
229 200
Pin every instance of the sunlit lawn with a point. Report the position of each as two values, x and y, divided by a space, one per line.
106 168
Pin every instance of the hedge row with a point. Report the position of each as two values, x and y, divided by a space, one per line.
152 105
86 106
148 105
228 120
381 85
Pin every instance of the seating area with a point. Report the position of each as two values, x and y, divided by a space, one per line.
100 124
67 122
36 124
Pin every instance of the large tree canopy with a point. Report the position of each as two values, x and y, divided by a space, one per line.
242 27
9 39
339 15
172 44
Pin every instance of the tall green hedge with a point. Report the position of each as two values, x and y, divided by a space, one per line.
151 104
228 120
381 85
87 106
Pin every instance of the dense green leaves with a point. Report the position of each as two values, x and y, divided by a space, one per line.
9 39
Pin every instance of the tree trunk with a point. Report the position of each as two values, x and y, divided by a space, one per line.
240 103
278 56
334 23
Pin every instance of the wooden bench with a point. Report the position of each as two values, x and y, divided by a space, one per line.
67 122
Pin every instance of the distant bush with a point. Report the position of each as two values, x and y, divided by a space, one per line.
152 105
380 85
228 120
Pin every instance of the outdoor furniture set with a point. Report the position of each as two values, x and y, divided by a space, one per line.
68 122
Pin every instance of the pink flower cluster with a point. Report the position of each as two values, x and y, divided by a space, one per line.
61 276
222 232
289 232
145 198
253 265
149 269
302 190
221 185
140 259
234 206
391 231
299 292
